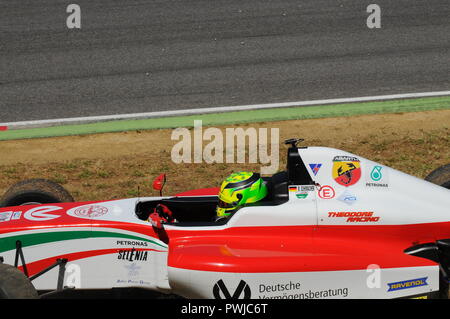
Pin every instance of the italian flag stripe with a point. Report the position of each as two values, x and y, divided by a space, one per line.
9 243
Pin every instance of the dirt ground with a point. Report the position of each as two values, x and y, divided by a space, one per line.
118 165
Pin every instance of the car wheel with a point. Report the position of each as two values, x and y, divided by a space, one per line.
34 192
440 176
14 284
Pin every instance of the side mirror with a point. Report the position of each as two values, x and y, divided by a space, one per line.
158 183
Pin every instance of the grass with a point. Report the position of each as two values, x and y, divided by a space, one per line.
238 117
129 175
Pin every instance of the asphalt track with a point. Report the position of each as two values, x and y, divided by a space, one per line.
143 56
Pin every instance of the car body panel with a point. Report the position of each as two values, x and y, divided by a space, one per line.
354 284
105 240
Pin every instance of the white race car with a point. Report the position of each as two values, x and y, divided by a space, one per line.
334 225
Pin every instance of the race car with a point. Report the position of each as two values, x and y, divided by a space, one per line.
333 225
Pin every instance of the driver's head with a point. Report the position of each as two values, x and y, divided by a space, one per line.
239 189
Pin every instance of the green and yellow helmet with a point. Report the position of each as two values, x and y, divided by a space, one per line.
239 189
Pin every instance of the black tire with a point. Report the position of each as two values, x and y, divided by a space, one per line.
440 176
15 285
35 191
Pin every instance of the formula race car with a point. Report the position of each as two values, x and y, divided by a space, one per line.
333 225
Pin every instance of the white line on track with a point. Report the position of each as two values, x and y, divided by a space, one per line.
220 109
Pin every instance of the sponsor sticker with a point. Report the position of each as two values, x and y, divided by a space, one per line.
355 217
16 215
326 192
377 176
131 243
303 191
89 211
406 284
346 170
315 168
301 195
132 255
221 291
347 197
133 269
307 188
133 273
11 215
42 213
5 216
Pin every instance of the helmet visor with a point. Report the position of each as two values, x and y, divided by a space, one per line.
223 204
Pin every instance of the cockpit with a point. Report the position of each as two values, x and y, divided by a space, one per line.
198 210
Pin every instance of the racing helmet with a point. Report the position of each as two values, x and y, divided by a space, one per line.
239 189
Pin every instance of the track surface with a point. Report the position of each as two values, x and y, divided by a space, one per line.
143 56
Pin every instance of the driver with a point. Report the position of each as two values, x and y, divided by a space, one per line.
237 190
